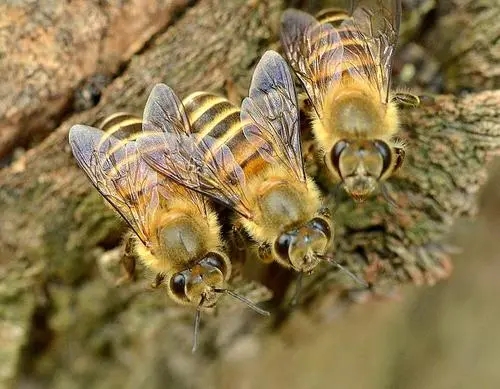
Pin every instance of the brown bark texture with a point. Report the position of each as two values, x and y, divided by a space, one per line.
468 45
56 56
63 323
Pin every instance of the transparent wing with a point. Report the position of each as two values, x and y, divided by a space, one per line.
165 112
198 165
116 170
270 115
375 23
314 51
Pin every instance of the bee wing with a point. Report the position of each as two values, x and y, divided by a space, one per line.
198 164
168 146
270 114
165 112
126 126
314 51
376 24
116 170
170 149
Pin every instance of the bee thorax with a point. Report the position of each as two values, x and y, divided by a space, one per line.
353 114
181 239
281 205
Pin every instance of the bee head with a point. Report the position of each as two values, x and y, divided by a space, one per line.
201 282
299 248
362 164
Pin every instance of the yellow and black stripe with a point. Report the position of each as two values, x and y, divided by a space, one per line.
357 54
214 116
121 125
209 115
334 16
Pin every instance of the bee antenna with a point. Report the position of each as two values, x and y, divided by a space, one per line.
298 289
334 263
244 300
337 193
387 196
196 329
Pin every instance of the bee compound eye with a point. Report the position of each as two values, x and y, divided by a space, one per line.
320 224
385 152
178 284
214 260
282 245
335 154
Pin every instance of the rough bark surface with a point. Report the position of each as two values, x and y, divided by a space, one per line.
56 54
466 40
63 324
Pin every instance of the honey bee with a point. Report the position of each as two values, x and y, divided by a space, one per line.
249 160
176 233
344 63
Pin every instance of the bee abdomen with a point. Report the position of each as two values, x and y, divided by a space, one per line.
334 16
357 56
210 114
121 124
357 59
215 116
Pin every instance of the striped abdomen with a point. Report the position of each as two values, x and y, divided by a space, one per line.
215 116
357 59
121 125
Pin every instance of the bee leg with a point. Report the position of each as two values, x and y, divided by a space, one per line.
334 198
128 261
388 197
265 253
325 212
239 239
310 157
159 278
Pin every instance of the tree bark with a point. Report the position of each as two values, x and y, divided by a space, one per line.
64 324
466 41
57 56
